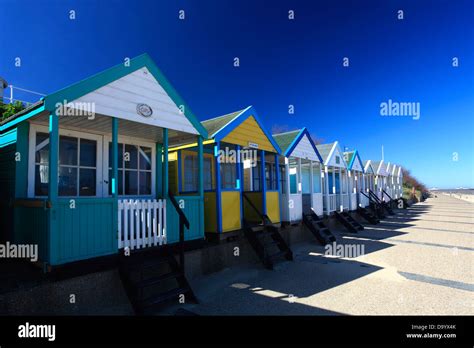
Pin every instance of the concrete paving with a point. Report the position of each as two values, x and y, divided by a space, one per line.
420 261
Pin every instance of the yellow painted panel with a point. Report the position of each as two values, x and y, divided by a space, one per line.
273 206
249 131
173 176
230 211
256 199
210 211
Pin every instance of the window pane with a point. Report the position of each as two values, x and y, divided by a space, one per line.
41 180
190 173
42 153
120 155
67 182
131 183
228 175
282 179
120 182
131 157
145 183
88 153
316 179
256 176
87 182
208 174
268 176
293 184
145 158
305 179
67 150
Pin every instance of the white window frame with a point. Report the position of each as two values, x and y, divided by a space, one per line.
128 141
35 128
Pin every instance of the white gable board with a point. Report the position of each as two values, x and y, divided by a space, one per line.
357 166
336 157
304 150
381 170
122 98
368 168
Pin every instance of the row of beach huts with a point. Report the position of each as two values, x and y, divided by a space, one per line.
139 174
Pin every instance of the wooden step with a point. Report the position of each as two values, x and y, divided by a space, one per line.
157 280
163 297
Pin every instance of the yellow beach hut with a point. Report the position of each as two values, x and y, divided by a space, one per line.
241 176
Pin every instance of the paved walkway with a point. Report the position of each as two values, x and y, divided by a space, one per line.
420 261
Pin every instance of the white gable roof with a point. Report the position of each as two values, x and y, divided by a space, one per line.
357 166
121 97
382 169
305 150
336 157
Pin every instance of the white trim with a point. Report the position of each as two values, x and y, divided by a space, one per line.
341 156
34 128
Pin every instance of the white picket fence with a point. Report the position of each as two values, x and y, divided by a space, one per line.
141 223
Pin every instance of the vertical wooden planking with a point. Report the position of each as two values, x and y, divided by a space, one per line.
143 208
137 223
149 233
119 229
164 231
155 223
160 221
125 224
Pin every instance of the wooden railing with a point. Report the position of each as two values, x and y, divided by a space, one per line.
183 222
141 223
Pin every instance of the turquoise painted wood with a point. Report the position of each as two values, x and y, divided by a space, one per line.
7 190
159 169
194 210
86 231
165 162
21 178
53 231
31 227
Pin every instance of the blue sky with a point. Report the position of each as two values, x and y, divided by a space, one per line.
282 62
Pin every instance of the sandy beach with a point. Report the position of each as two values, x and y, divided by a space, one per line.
463 196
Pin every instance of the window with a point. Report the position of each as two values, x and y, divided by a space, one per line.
41 164
77 166
271 176
77 163
305 178
293 180
316 178
208 177
256 176
228 175
338 160
283 178
134 169
337 182
190 172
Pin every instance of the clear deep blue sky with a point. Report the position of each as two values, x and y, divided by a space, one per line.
283 62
